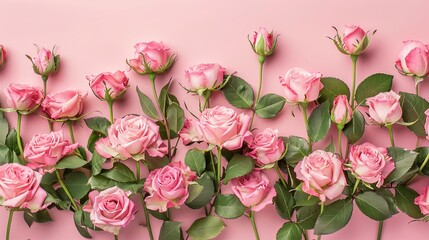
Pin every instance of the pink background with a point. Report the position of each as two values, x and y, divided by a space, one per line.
97 36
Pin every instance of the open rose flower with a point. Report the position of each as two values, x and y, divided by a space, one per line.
113 84
301 86
263 42
45 150
253 190
23 97
168 186
354 41
20 187
2 56
204 76
266 147
423 201
66 104
191 132
45 63
322 175
110 209
413 60
131 137
385 108
341 112
153 57
370 164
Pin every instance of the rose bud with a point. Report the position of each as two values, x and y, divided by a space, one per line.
427 123
341 112
61 105
263 42
384 108
354 41
23 97
413 60
153 57
301 86
204 77
266 147
45 63
423 201
2 56
108 86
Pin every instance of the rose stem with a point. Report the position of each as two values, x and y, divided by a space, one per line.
146 211
9 223
219 168
340 151
116 237
417 89
18 133
322 207
352 99
110 103
420 169
206 101
355 186
252 220
304 113
380 230
392 140
66 190
45 80
51 125
70 127
304 234
261 60
276 166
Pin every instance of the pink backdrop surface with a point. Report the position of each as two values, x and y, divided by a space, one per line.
97 36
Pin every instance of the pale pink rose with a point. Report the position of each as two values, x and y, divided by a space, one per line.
266 147
2 56
223 127
204 76
370 164
114 83
66 104
301 86
423 201
110 209
20 187
413 59
153 57
23 97
353 35
191 132
168 186
427 123
253 190
385 108
45 150
322 175
263 42
341 112
131 137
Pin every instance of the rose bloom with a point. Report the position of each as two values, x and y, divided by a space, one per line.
131 137
23 97
20 187
45 150
66 104
110 209
46 62
263 42
204 76
423 201
301 86
2 56
341 112
370 164
384 108
266 147
413 59
114 83
427 123
253 190
353 36
168 186
153 57
322 175
191 132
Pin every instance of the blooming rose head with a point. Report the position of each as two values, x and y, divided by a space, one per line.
108 86
110 209
168 186
301 86
45 150
266 147
23 97
322 175
423 201
67 104
131 137
2 56
354 41
413 60
153 57
370 164
253 190
45 63
263 42
384 108
191 132
20 187
427 123
341 112
204 76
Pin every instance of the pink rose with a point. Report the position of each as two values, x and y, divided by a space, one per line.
427 123
322 175
384 108
253 190
168 186
266 147
67 104
191 132
45 63
341 112
153 57
301 86
204 76
263 42
223 127
370 164
20 187
23 97
45 150
131 137
110 209
2 56
423 201
353 36
114 84
413 59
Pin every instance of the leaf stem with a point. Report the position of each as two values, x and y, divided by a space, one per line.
261 66
70 127
279 174
304 113
18 133
354 61
255 228
380 230
392 140
66 190
9 223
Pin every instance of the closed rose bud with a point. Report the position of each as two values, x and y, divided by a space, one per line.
45 63
113 84
341 112
384 108
23 97
413 59
204 76
153 57
66 104
423 201
301 86
2 56
354 41
263 42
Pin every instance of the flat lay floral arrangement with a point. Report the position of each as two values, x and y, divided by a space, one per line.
131 160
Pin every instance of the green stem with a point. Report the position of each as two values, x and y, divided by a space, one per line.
279 174
352 99
355 186
261 66
305 234
110 103
392 140
18 133
70 127
168 214
146 215
51 125
417 89
45 80
424 163
116 237
255 228
417 142
137 170
9 223
322 208
289 173
380 230
340 151
304 113
219 168
206 101
66 190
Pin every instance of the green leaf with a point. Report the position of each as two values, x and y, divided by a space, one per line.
171 231
319 122
159 215
77 184
206 228
7 155
120 173
163 131
239 165
147 105
98 124
42 216
163 97
196 161
423 153
93 138
304 200
78 220
330 147
28 218
175 117
372 86
306 216
99 182
404 199
413 109
238 93
403 159
334 217
228 206
269 105
373 205
4 128
298 148
200 192
289 231
12 142
96 163
332 87
388 196
355 128
156 162
70 162
283 201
